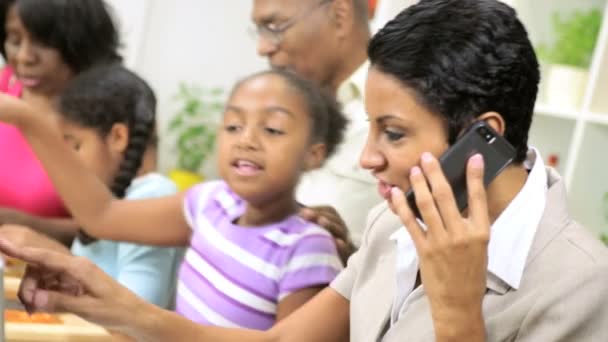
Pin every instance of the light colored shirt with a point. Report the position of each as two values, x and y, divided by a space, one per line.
235 276
147 271
560 297
24 184
511 237
342 183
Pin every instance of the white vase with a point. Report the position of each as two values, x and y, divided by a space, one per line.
565 86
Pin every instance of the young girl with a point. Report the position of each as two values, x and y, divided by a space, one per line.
107 117
251 260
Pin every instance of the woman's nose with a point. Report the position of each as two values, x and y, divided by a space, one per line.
25 53
371 157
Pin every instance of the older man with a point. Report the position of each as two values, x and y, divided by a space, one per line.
326 41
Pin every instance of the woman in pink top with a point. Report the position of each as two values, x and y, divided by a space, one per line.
46 43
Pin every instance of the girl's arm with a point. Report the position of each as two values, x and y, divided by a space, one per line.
60 229
295 300
23 236
325 318
101 300
155 221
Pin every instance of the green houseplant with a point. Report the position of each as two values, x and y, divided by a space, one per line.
576 36
193 129
569 57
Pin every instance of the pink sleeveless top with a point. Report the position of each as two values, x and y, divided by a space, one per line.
24 184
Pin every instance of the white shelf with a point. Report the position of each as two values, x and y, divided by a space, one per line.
553 111
551 136
590 184
598 118
577 136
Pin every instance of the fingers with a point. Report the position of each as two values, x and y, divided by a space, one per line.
28 287
345 249
478 204
336 229
328 218
407 217
10 249
426 204
53 301
37 257
313 213
441 190
308 214
80 270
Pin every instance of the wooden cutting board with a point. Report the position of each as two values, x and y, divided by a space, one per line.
73 329
11 287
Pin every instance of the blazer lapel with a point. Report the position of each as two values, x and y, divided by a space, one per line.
554 219
383 302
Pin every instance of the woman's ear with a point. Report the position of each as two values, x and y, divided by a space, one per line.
494 120
316 156
118 138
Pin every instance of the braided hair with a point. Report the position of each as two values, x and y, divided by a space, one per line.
106 95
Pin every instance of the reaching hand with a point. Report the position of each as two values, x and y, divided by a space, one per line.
21 236
13 110
10 216
328 218
453 251
57 282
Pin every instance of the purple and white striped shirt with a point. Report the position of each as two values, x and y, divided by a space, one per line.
234 276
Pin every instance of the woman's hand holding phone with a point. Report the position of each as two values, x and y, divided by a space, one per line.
453 251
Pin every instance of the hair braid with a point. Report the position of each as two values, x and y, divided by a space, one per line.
106 95
139 137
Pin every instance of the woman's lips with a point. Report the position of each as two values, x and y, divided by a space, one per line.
384 189
29 82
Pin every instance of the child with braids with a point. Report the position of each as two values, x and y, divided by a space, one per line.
251 259
107 117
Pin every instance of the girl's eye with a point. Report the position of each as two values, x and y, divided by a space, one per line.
274 131
393 135
232 128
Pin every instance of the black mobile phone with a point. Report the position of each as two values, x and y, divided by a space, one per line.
480 138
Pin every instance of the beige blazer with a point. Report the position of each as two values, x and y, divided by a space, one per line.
563 295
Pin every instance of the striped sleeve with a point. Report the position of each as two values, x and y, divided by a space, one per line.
314 262
196 199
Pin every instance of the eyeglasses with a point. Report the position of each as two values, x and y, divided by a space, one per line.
275 32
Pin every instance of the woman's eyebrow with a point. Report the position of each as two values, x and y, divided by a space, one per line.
385 117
